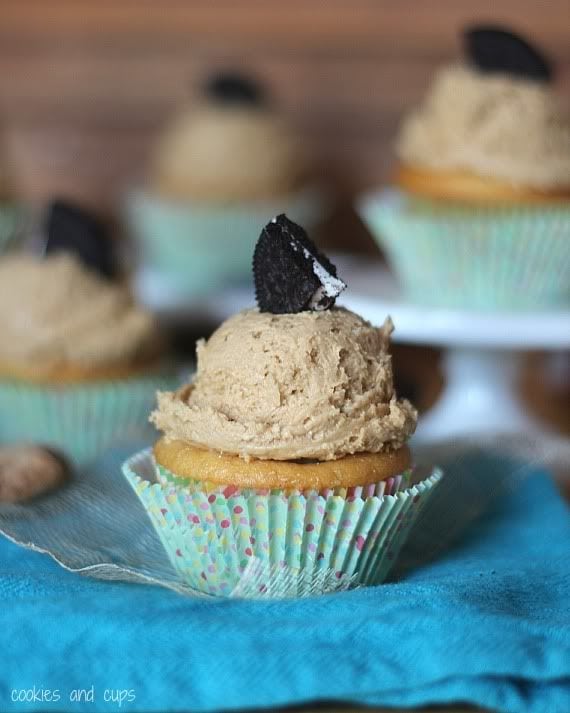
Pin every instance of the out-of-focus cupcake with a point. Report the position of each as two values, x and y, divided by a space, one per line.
482 215
220 167
79 361
283 468
230 147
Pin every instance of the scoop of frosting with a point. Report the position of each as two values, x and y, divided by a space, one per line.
226 153
312 385
495 126
55 312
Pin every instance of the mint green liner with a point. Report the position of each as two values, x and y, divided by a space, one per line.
12 218
273 544
199 247
485 258
83 420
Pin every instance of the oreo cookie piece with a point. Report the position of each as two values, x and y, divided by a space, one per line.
495 49
235 89
290 274
74 230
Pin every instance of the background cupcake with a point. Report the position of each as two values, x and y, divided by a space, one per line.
482 218
283 468
79 361
219 168
229 148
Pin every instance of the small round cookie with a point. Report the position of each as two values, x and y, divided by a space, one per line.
189 461
27 471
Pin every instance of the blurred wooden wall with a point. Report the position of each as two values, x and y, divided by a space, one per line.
84 85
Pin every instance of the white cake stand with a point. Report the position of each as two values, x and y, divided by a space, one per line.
482 354
482 351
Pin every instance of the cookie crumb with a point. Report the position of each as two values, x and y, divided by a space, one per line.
27 471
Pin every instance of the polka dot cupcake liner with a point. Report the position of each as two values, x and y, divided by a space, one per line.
226 541
82 420
469 257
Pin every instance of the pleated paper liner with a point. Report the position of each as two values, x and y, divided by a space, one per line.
508 258
83 420
254 543
197 247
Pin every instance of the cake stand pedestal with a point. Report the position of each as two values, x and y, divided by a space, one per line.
479 396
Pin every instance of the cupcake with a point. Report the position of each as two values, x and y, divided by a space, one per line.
219 168
79 361
283 468
481 215
231 147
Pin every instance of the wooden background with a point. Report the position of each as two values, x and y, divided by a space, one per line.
84 85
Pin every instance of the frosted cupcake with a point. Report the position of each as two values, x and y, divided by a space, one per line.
482 218
79 361
232 146
283 468
61 323
219 168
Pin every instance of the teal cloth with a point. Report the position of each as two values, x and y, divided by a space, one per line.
486 621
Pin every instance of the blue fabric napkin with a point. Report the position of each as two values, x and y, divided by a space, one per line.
485 620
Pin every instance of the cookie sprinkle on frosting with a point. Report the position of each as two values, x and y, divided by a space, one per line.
234 89
290 274
495 49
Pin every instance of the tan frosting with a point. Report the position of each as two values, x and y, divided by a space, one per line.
55 312
220 153
310 385
494 125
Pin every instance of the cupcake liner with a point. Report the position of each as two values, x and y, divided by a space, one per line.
487 258
11 221
82 420
199 247
227 541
